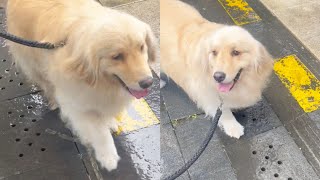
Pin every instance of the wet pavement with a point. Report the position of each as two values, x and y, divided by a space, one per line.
281 138
35 144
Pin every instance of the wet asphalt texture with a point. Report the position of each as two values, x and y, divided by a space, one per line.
281 141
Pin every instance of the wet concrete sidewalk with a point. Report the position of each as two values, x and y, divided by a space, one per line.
301 18
281 138
35 144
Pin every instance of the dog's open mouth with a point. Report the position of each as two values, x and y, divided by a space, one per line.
226 87
136 93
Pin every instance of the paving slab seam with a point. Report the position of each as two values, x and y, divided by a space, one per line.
95 167
10 99
190 117
136 130
83 163
180 150
309 148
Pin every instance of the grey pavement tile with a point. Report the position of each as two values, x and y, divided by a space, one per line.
307 136
62 172
315 116
275 5
214 162
148 11
296 12
112 3
256 120
270 155
164 119
171 157
153 98
211 10
177 101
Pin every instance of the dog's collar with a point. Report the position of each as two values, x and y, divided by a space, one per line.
236 78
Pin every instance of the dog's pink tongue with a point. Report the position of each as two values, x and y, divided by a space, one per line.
225 87
139 94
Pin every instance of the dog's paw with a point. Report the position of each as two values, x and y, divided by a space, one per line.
108 160
232 129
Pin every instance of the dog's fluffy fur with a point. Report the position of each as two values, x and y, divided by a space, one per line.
79 78
193 49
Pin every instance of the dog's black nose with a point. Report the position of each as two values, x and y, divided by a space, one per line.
144 84
219 76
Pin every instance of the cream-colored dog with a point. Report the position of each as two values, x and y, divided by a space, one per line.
95 75
204 58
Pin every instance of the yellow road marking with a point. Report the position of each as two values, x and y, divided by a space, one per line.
138 115
240 11
302 84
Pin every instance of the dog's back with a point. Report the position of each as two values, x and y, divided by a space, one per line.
35 19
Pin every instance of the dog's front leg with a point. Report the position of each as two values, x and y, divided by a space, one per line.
230 125
95 132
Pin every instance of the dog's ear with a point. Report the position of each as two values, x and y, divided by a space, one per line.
82 68
151 42
265 61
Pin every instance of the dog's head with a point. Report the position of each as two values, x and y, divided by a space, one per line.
233 54
118 47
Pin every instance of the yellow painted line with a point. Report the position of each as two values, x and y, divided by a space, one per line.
240 11
302 84
138 115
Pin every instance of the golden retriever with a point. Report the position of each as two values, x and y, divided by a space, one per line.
204 58
104 63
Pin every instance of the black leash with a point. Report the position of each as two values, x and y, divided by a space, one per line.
201 149
35 44
205 143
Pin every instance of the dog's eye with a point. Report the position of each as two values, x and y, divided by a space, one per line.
118 57
214 52
235 53
142 47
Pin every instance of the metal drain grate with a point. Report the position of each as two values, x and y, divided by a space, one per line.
266 151
26 146
278 157
12 84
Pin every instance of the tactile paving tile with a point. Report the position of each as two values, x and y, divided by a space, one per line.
26 147
12 82
270 155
